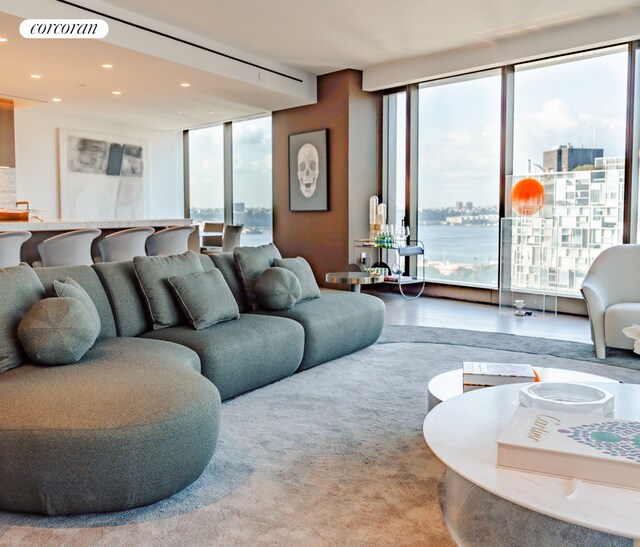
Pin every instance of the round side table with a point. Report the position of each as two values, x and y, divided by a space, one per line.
355 280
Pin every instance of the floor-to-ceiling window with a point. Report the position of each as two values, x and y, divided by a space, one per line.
459 178
206 174
247 177
252 186
569 128
395 162
561 123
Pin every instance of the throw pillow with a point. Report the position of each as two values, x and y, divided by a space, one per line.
57 331
205 298
300 267
153 273
72 289
250 263
278 289
20 289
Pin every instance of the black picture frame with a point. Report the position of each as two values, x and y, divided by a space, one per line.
308 178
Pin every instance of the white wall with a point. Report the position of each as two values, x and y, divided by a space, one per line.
37 161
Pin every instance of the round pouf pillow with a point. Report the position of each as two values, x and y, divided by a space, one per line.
56 331
278 289
134 422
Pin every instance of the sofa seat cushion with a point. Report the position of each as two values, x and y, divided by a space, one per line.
616 318
241 355
132 423
336 324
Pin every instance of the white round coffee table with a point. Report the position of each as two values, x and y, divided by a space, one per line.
462 433
449 384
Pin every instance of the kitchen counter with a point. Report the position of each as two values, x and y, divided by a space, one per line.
49 228
61 225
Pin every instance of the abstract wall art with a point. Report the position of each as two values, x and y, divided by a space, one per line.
102 176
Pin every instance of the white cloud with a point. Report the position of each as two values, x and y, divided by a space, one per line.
555 116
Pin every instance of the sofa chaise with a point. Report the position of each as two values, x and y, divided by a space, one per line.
137 418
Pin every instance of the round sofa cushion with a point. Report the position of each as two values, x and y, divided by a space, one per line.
278 289
57 331
132 423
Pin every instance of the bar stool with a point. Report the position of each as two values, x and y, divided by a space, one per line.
231 237
10 247
68 249
124 245
170 241
212 235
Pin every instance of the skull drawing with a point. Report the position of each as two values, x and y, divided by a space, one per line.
308 169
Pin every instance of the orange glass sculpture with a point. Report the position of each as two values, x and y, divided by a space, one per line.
527 197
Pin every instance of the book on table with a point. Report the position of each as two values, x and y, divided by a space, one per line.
579 446
496 374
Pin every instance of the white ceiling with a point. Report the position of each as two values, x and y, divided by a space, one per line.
303 36
324 36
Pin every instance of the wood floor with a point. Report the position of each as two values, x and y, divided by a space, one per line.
440 312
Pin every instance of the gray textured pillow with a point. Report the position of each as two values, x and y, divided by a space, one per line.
250 263
20 289
153 273
72 289
300 267
205 298
278 289
57 331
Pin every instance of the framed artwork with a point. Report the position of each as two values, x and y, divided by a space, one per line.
102 176
308 171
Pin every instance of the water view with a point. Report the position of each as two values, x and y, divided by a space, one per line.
461 253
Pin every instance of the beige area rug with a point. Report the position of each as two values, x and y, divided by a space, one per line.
332 456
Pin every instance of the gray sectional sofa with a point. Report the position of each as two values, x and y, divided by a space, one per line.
136 419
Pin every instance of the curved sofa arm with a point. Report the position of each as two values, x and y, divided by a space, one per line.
595 295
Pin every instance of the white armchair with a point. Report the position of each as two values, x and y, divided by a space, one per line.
611 290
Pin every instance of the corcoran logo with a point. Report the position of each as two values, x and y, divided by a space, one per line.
64 28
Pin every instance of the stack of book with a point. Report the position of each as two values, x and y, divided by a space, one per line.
478 375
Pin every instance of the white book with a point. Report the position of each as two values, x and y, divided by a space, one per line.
496 374
580 446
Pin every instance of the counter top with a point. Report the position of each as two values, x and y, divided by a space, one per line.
58 225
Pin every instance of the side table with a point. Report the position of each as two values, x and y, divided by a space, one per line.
355 280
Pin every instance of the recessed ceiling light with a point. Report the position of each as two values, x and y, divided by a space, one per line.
36 76
185 84
116 92
210 112
2 39
106 65
180 112
56 99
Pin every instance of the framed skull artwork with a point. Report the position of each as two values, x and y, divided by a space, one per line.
308 176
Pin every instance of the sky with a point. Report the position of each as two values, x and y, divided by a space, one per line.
251 164
582 102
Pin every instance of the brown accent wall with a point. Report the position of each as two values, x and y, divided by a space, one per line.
321 237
